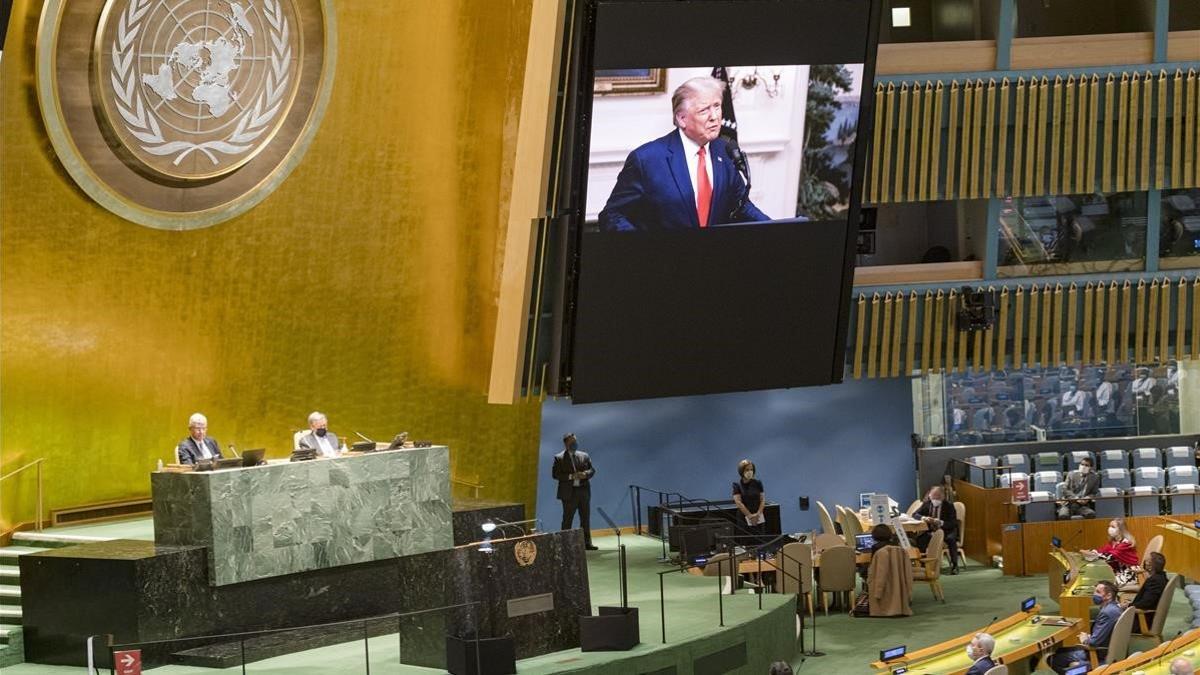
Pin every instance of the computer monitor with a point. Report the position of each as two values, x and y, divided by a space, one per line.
892 653
1079 670
253 457
864 500
863 542
1028 604
1056 542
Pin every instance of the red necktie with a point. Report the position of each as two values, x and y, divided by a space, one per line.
703 190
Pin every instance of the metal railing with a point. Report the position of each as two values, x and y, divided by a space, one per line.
35 463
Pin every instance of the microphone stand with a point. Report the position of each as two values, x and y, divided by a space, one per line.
742 164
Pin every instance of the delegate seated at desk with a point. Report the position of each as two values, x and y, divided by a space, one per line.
1066 658
938 514
1081 487
980 650
197 446
1152 588
319 437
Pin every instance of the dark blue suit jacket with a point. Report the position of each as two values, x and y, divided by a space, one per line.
654 190
981 666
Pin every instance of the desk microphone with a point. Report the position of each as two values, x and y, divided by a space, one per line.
234 451
1166 651
363 437
1073 538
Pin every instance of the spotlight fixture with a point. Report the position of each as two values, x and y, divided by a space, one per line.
901 17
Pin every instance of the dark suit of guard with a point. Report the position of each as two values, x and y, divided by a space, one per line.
575 494
981 666
949 517
654 190
188 451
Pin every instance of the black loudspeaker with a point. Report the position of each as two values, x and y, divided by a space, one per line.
615 629
496 656
804 503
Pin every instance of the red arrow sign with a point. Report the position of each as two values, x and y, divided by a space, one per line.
128 662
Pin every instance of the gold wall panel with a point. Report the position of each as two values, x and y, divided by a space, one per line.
364 286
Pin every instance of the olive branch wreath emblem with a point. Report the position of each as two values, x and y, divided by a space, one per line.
140 119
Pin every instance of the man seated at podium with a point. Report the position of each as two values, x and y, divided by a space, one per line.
319 437
197 446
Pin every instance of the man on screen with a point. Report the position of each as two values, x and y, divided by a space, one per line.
686 179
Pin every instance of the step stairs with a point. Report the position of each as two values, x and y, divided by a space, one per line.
12 650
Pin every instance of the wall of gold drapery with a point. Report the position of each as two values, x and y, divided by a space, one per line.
1032 135
898 334
365 286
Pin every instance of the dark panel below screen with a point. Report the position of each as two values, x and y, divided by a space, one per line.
665 34
707 311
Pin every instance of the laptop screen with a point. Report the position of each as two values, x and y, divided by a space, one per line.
863 542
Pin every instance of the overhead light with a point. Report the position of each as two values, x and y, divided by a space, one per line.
901 17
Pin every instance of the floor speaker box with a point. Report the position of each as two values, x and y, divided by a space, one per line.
496 656
615 629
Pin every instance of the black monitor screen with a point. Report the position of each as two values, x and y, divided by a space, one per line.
1028 604
722 188
892 653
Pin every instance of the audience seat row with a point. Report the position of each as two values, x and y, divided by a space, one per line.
982 471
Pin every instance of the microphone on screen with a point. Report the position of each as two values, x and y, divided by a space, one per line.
740 162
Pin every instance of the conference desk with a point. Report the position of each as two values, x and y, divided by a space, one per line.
1018 638
1071 582
1157 661
1181 546
910 525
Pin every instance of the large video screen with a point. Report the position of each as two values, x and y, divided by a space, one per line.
715 248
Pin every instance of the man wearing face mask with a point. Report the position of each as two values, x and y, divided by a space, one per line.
573 470
1074 401
979 650
319 437
939 514
1066 658
1081 487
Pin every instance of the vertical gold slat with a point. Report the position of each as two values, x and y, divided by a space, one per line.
989 148
927 334
988 337
1002 331
1132 115
1160 133
1190 122
885 341
1019 328
1106 175
1114 303
1177 130
962 346
1072 318
901 144
939 321
897 333
1126 292
876 145
1101 321
1093 119
1068 137
1055 354
1152 324
1086 346
1139 335
927 136
1193 124
1081 134
977 352
914 144
1047 328
964 153
885 179
910 341
951 149
1032 326
1164 320
1056 118
936 151
951 330
1196 317
1147 116
1031 136
1121 121
976 137
860 327
1002 143
873 345
1181 346
1018 186
1040 166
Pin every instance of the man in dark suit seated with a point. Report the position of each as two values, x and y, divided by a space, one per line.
573 470
939 514
686 179
1066 658
1081 487
980 651
1152 588
197 446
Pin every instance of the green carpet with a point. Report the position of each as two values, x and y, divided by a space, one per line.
973 598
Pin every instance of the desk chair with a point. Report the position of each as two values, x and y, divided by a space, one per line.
1146 458
929 567
1179 455
851 528
889 577
912 508
296 438
1118 644
719 565
1111 506
960 510
1116 478
795 562
826 522
826 541
1114 459
1048 461
1154 629
1017 462
837 573
997 670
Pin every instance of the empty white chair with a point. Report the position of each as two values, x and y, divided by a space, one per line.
1113 459
1184 491
1017 462
1041 507
1152 476
1116 478
1179 455
1046 481
1110 504
977 473
1146 458
1047 461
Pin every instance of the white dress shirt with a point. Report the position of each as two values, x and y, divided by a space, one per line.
205 453
325 446
691 151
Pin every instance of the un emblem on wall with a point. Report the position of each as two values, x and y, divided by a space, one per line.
195 109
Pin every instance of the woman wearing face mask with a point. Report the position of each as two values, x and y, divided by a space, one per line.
1121 550
749 498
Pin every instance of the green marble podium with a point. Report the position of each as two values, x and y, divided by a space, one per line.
288 517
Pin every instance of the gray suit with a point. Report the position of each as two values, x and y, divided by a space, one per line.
1082 486
309 440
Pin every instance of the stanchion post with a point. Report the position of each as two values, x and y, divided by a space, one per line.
662 608
242 647
367 647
